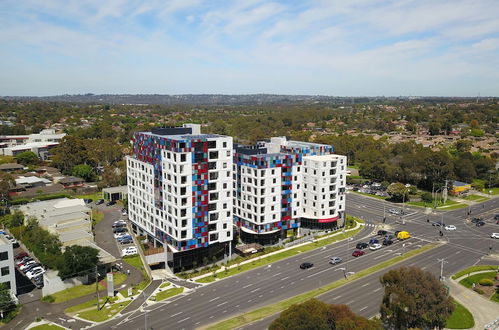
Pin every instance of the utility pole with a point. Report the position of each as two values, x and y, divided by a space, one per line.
442 268
97 287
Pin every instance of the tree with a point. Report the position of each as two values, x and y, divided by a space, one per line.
70 152
83 171
7 304
78 261
6 183
434 128
27 158
426 197
414 299
398 192
315 314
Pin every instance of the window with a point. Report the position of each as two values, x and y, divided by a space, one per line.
4 256
5 271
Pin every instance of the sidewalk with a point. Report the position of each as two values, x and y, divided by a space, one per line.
279 251
484 311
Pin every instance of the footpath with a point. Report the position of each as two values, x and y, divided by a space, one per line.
485 312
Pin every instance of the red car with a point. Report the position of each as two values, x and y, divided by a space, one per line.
358 253
21 255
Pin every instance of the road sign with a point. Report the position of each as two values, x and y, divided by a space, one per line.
110 286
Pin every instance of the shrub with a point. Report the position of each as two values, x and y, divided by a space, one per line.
486 282
478 290
49 299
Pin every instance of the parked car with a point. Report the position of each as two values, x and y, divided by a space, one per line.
88 200
23 261
126 241
450 227
119 230
480 224
306 265
35 272
373 241
119 235
29 268
110 203
375 246
21 255
26 265
38 281
124 212
382 232
387 241
99 202
335 260
129 251
125 237
361 245
494 235
358 253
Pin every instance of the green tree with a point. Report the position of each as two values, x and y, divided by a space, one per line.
78 261
426 197
398 192
434 128
6 183
70 152
7 304
414 298
27 158
83 171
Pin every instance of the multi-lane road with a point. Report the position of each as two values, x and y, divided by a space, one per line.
465 246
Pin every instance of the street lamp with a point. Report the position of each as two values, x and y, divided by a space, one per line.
344 271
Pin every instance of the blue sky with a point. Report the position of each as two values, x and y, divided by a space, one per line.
329 47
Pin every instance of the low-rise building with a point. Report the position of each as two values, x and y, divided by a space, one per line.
40 144
11 167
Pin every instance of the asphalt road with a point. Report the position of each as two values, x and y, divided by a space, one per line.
466 246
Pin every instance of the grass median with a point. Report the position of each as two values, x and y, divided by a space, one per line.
162 295
272 309
47 327
461 318
88 310
473 269
276 257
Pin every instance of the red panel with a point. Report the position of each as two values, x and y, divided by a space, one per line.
328 220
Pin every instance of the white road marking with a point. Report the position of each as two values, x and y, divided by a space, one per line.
184 319
350 302
247 286
338 297
360 310
376 290
214 299
249 300
176 314
276 274
284 278
365 285
222 304
255 290
380 256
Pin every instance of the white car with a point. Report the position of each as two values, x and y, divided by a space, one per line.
450 227
118 235
23 267
129 251
494 235
375 246
35 272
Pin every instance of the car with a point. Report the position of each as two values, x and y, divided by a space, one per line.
126 241
475 220
35 272
23 261
387 241
26 265
375 246
306 265
124 237
124 212
119 230
30 268
382 232
393 211
119 223
38 281
21 255
99 202
131 250
480 224
373 241
396 233
361 245
438 224
118 235
450 227
494 235
335 260
357 253
496 217
110 203
88 200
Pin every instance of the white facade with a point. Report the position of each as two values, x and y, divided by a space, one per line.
165 203
7 273
11 145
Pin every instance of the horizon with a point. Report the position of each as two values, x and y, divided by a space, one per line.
181 47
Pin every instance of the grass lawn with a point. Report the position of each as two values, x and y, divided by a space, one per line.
473 269
370 195
468 281
495 191
108 311
276 257
94 196
47 327
461 318
97 216
476 198
136 262
420 203
82 290
495 297
168 293
268 310
164 285
450 205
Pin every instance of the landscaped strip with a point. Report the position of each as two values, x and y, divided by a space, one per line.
105 313
461 318
276 257
47 327
162 295
82 290
475 278
272 309
473 269
136 262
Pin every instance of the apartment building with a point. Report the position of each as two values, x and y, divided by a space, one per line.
280 185
40 144
7 272
179 193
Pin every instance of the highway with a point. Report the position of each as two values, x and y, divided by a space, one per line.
214 302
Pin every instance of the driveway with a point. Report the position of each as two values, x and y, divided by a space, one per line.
104 236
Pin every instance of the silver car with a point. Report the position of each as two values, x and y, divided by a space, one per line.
335 260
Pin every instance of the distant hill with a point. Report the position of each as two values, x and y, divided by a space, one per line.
222 99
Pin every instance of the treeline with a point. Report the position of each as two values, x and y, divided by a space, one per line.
412 163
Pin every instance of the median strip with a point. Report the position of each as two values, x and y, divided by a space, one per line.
272 309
